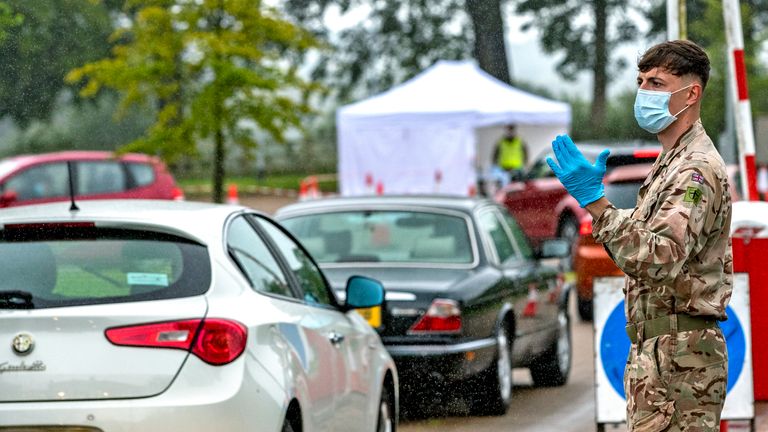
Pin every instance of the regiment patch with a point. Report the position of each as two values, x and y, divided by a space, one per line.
693 195
698 178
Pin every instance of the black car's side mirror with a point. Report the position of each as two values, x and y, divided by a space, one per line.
364 292
554 248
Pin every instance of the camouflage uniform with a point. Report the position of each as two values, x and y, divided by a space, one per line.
675 248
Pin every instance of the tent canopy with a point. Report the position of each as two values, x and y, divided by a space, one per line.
422 136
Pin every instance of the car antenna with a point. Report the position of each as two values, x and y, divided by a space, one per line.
72 207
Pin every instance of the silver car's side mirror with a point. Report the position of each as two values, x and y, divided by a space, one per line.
364 292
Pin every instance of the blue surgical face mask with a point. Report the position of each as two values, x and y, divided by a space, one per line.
652 109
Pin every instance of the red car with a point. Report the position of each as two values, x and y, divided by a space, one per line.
40 178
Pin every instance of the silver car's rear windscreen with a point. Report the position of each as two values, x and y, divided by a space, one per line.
50 265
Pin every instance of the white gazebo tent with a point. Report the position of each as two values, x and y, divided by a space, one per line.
435 132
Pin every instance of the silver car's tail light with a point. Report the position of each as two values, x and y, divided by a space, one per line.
215 341
443 316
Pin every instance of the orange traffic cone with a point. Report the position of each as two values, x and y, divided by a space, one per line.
232 194
379 188
533 302
472 190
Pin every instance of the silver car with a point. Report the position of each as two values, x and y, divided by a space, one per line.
162 315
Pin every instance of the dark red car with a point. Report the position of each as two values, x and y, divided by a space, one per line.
41 178
541 204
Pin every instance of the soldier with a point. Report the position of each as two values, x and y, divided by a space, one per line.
674 247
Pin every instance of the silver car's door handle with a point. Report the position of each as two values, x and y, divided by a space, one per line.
336 338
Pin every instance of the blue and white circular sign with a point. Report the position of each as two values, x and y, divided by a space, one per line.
612 348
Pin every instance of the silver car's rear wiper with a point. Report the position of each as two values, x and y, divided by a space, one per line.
16 299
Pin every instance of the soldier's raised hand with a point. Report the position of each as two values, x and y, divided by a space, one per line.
583 180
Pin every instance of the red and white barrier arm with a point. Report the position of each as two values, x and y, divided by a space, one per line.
742 108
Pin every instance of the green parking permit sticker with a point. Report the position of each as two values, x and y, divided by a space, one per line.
157 279
693 195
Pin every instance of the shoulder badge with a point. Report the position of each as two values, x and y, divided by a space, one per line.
693 195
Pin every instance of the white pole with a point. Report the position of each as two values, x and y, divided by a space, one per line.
673 20
742 109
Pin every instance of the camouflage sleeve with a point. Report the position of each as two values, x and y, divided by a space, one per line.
654 241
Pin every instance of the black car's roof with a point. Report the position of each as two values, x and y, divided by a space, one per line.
450 202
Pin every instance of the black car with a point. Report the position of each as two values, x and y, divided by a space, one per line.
467 297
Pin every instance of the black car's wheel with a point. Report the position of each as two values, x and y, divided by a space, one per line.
585 309
492 390
553 368
386 422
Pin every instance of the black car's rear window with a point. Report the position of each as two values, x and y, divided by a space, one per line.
44 267
384 236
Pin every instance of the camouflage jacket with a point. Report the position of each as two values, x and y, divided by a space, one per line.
675 244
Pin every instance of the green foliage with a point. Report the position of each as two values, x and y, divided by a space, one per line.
54 37
213 70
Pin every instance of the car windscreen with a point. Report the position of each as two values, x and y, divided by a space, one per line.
623 195
45 266
384 236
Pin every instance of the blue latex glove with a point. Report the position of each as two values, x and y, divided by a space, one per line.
583 180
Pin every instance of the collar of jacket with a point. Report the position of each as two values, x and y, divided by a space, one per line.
682 143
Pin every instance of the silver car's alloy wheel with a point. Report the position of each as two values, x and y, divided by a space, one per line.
386 420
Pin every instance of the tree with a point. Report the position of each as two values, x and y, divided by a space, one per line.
490 48
586 32
399 38
214 70
55 36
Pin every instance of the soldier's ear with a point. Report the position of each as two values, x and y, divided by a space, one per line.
694 93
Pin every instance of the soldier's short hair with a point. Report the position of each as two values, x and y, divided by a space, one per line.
678 57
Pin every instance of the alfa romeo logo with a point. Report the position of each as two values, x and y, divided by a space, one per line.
23 344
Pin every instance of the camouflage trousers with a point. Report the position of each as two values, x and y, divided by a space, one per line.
677 382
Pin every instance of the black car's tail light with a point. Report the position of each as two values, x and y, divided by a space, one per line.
215 341
443 316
